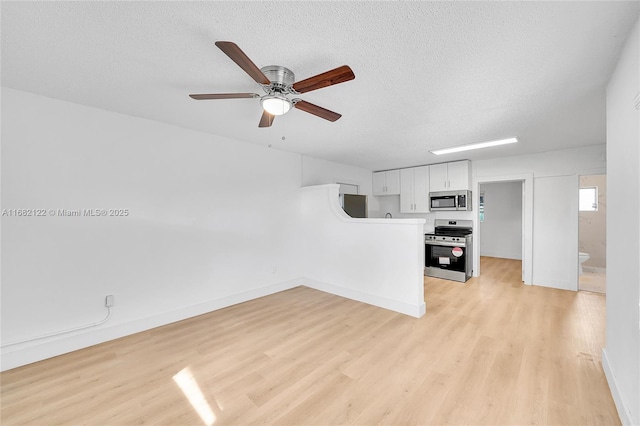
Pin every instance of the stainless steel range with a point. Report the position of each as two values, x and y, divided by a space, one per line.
448 251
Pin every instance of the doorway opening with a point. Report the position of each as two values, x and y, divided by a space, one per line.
501 220
525 180
592 233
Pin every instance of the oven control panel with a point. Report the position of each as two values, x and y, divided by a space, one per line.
435 238
460 240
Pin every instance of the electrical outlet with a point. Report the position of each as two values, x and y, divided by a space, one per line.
108 301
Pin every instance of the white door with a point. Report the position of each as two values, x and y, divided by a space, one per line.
393 182
555 232
458 176
379 183
438 177
406 191
524 211
421 189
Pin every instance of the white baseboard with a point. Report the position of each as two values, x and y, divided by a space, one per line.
623 411
26 353
382 302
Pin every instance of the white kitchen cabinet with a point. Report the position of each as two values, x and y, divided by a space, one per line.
438 177
421 187
454 176
386 183
414 190
459 175
379 183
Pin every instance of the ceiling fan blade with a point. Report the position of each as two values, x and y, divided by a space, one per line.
266 120
201 97
316 110
329 78
239 57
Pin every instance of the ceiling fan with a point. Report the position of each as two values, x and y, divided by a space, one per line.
278 82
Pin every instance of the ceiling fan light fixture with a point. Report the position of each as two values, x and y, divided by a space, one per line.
278 82
473 146
276 104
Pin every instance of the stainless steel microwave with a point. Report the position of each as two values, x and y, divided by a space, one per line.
450 200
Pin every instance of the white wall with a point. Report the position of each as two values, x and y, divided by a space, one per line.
593 225
320 172
390 273
211 222
584 160
621 357
554 167
501 231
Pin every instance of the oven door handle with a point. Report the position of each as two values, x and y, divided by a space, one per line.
444 243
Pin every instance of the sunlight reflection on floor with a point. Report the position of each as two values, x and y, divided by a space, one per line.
185 380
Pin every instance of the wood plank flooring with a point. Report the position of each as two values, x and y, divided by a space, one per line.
490 351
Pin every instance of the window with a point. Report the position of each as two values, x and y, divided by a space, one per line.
481 208
589 199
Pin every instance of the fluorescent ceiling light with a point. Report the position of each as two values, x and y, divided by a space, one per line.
473 146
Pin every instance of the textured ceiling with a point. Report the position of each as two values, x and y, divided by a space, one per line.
428 74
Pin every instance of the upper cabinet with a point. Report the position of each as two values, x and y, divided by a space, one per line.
414 190
453 176
413 184
438 177
386 183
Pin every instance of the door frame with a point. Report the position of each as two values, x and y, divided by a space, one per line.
527 221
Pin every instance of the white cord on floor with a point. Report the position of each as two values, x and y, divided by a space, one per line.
55 333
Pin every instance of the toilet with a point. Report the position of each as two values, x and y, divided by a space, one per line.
583 258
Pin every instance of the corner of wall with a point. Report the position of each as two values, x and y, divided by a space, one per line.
623 409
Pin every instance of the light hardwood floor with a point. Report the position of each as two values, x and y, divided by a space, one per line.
595 281
490 351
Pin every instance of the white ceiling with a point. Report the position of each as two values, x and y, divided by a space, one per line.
428 74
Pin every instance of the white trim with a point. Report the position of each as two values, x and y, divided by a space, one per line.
370 299
623 410
27 353
22 354
527 223
60 332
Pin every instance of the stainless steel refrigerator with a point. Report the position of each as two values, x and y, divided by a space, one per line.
354 205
